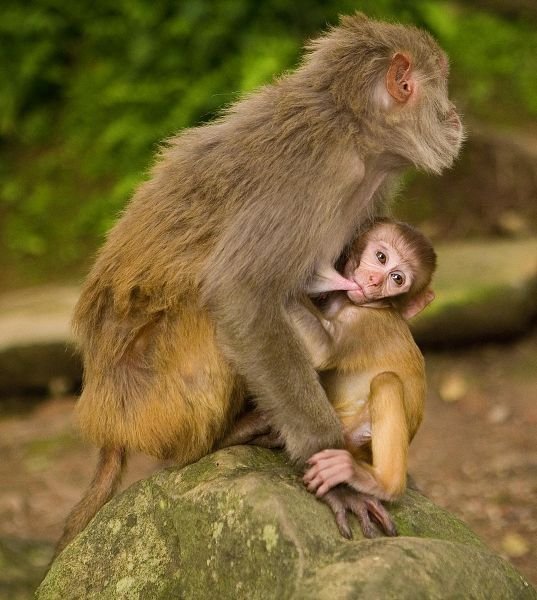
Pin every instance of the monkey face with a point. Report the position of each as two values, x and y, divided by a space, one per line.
418 110
395 80
383 270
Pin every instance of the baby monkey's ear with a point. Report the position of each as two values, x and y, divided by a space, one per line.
411 307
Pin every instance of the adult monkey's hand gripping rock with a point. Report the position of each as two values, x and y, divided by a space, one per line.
188 301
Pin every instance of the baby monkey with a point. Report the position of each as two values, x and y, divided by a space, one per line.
371 369
370 366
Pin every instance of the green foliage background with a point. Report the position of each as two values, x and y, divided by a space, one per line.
89 88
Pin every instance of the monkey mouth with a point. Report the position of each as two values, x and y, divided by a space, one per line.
357 296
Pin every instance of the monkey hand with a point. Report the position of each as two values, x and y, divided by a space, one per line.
367 509
331 468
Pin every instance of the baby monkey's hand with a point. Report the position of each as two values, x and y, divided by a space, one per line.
329 468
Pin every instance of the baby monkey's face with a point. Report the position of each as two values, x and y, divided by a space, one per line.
382 269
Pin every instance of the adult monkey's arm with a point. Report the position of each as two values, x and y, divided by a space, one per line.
333 132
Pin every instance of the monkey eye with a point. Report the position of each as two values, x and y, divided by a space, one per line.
381 257
398 278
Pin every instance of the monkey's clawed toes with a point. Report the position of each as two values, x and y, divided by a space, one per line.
367 509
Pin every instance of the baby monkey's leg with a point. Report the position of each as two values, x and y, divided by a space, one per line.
385 478
389 436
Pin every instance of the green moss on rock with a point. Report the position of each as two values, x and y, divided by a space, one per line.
240 524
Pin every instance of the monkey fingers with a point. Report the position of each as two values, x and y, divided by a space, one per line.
328 453
328 478
328 469
379 513
334 499
342 500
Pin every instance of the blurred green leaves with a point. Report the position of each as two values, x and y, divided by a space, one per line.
89 88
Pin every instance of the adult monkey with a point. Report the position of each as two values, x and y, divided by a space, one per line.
188 300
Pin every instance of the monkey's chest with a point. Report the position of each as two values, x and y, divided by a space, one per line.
354 209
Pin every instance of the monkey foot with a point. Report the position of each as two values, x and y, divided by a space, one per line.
271 439
367 509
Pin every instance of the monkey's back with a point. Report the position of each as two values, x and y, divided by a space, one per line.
208 213
211 204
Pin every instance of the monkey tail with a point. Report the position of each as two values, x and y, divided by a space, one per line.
105 482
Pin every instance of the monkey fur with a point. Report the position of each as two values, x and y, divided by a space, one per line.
371 369
187 303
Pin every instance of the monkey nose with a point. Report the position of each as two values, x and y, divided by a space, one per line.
374 279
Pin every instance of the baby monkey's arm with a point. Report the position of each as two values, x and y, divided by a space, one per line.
316 332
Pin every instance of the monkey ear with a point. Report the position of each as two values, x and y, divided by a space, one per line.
399 81
417 303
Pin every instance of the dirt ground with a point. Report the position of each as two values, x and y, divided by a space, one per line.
476 453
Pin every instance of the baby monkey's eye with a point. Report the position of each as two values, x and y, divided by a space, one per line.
398 278
381 257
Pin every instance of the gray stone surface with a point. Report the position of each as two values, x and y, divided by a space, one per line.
240 524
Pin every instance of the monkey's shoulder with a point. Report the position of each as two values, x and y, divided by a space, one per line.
385 322
379 340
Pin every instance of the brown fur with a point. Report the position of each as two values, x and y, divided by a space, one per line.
378 363
236 212
371 369
103 486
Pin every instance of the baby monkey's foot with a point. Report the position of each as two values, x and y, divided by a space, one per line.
367 509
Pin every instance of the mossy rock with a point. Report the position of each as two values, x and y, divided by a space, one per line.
240 524
484 290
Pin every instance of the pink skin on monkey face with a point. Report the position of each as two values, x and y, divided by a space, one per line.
382 272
